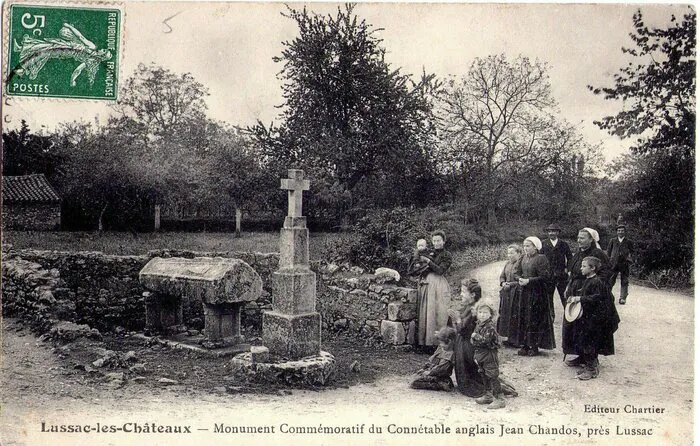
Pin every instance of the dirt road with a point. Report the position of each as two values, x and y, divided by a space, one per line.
646 390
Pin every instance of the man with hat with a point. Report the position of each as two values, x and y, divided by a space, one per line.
620 250
558 255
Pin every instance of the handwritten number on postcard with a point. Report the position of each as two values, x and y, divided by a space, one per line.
165 22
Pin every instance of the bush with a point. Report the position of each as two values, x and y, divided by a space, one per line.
387 237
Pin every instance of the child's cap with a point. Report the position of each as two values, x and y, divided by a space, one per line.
446 334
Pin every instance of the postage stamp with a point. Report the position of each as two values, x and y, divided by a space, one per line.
63 52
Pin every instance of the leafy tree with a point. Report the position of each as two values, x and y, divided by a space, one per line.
158 104
160 149
361 129
658 90
24 152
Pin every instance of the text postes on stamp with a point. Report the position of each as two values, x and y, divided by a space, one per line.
63 52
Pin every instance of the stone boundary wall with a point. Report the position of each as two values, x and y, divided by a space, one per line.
103 292
369 308
31 216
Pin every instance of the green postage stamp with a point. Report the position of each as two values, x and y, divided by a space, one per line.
63 52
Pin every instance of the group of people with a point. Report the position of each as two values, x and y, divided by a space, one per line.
468 339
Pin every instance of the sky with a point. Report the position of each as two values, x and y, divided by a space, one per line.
229 47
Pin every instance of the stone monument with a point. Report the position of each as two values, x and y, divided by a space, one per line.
223 286
293 328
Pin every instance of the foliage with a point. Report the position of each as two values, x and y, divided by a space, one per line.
158 103
159 150
360 129
387 237
502 148
659 90
655 181
24 152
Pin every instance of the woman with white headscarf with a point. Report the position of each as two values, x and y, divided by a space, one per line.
587 239
536 330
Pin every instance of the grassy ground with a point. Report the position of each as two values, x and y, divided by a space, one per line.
123 243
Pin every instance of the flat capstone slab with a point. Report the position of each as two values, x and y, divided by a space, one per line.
182 341
214 280
317 370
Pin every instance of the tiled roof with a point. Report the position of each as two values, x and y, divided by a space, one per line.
28 188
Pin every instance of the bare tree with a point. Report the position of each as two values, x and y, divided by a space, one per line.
493 117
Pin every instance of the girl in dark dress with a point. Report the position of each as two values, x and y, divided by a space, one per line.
509 294
536 329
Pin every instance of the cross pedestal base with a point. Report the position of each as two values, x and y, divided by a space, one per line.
292 336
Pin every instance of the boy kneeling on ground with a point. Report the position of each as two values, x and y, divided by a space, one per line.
436 374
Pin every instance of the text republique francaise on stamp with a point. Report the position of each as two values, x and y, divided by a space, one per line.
63 51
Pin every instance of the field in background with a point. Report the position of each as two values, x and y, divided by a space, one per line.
124 243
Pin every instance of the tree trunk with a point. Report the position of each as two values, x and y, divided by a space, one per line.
238 222
100 220
156 219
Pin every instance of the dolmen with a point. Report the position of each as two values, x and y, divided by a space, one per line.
222 285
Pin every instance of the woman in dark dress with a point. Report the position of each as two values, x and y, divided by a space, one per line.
469 380
508 321
536 329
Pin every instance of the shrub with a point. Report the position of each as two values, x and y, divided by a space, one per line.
387 237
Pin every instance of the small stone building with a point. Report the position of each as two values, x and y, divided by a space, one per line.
30 203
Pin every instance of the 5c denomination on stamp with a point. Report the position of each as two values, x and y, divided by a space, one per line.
63 52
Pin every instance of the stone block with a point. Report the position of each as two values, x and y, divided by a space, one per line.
316 370
222 322
412 296
162 312
294 247
410 332
259 353
292 336
401 311
392 332
211 280
294 291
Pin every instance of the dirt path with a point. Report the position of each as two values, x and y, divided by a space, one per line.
653 368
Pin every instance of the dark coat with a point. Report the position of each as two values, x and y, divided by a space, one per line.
559 257
593 332
576 279
536 328
620 252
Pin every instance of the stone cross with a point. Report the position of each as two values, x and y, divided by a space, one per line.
295 185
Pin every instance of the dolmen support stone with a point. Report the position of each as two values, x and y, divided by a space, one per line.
223 286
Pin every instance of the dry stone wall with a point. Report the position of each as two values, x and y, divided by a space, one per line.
31 216
103 292
370 309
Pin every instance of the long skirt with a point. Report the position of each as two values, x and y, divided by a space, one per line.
508 310
469 381
433 302
537 329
